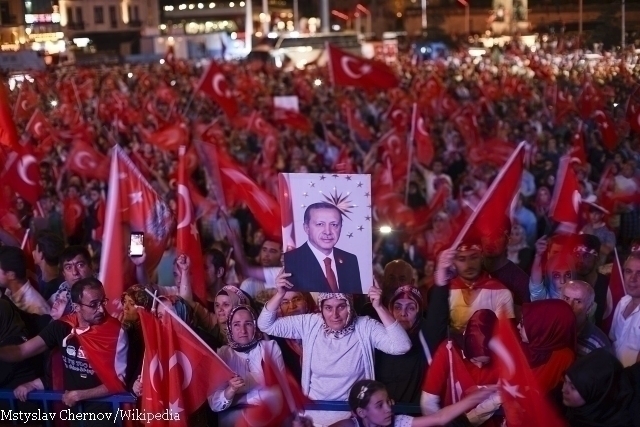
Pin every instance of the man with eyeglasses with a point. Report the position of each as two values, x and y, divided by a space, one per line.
93 347
75 264
586 253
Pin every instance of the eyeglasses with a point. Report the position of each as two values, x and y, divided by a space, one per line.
94 305
293 301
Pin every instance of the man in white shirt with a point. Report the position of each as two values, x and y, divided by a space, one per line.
13 278
625 330
270 255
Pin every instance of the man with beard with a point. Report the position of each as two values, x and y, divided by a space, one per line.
270 255
586 253
496 263
93 347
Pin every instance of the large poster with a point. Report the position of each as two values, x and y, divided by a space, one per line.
327 231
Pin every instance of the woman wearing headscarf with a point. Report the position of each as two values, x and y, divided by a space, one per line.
337 345
245 355
598 391
548 331
471 365
293 304
402 374
215 322
135 296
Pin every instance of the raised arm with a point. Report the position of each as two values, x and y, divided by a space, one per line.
17 353
268 322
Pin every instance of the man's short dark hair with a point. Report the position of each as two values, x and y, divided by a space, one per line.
51 245
320 205
13 259
73 251
78 288
218 259
277 242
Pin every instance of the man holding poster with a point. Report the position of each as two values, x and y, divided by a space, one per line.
317 265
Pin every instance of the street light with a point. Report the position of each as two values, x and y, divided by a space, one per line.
467 16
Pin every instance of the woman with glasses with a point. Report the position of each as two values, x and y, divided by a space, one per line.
371 407
337 345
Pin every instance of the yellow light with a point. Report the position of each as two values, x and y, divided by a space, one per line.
385 229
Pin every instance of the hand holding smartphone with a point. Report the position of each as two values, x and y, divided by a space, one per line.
136 244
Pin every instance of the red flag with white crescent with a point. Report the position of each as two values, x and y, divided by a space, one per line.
421 138
187 236
351 70
74 215
22 173
87 162
565 202
132 206
524 404
607 129
179 370
8 133
215 85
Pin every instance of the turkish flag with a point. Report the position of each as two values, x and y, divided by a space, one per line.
8 133
179 371
38 126
102 345
216 86
355 124
633 109
169 137
589 100
498 199
292 119
283 398
607 129
74 215
258 125
398 117
395 147
615 292
565 203
187 237
25 104
421 138
351 70
286 206
87 162
132 206
237 186
23 174
523 403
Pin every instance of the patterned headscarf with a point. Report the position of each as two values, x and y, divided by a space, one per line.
351 317
236 296
139 295
257 335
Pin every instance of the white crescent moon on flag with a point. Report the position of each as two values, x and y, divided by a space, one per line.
37 128
77 211
23 164
179 358
421 128
183 192
78 160
501 351
154 366
344 63
25 105
215 83
396 113
576 198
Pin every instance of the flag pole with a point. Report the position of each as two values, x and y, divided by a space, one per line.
410 143
491 189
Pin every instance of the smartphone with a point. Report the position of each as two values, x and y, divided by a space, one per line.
136 244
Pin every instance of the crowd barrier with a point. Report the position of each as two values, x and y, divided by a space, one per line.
48 398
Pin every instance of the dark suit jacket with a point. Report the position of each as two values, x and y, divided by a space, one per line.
307 274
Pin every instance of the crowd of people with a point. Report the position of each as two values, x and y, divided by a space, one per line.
435 302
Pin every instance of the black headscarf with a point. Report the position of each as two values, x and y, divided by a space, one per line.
607 392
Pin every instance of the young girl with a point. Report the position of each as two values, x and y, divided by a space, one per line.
371 407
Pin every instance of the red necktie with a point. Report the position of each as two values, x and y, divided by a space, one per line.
331 276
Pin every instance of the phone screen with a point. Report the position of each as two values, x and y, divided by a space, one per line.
136 245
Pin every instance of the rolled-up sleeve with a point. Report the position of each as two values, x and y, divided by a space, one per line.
538 291
284 327
391 340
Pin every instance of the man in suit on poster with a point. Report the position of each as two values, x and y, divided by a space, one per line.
317 265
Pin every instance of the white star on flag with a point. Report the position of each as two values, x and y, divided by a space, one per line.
175 407
136 197
194 229
511 389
